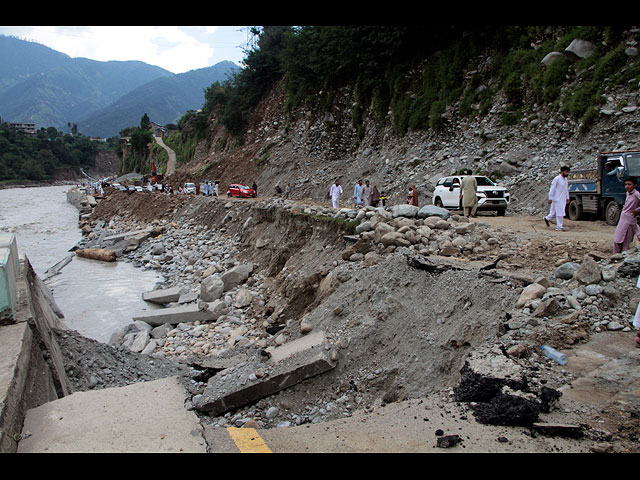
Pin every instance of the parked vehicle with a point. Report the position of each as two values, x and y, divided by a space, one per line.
189 188
239 190
599 193
491 197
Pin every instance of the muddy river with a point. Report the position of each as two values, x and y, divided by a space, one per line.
96 298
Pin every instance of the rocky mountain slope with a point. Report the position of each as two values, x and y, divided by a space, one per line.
312 150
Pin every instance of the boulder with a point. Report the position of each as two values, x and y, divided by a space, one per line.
212 288
462 228
547 308
551 57
530 292
433 211
243 298
236 275
381 230
447 248
396 239
589 272
566 270
363 227
404 210
579 49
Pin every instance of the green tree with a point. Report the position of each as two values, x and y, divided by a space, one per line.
145 123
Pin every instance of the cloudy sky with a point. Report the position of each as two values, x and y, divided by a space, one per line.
177 49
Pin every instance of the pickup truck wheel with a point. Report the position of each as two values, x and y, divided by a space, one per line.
438 203
575 210
612 213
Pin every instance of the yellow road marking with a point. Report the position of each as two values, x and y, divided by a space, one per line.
248 440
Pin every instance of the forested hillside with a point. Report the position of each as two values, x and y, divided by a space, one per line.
414 77
37 158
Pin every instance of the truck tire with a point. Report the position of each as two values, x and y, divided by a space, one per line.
574 210
612 213
438 203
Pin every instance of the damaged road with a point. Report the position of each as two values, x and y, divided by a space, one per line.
445 315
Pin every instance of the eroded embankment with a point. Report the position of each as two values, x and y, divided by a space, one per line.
401 331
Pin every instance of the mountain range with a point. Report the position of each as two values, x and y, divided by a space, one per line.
42 86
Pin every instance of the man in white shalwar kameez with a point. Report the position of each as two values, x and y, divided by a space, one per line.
558 198
334 193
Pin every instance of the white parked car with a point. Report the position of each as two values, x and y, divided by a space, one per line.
491 197
189 188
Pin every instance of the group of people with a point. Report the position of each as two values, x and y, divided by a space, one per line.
95 188
363 195
210 189
627 226
287 190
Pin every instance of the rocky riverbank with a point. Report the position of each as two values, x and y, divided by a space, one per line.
413 304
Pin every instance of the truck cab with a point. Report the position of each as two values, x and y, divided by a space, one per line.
600 191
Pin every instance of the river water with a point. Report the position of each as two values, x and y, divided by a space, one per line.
97 298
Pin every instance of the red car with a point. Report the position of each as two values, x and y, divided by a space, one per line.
239 190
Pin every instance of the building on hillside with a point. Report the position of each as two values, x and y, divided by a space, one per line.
28 128
158 130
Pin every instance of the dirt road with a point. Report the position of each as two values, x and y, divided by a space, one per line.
532 227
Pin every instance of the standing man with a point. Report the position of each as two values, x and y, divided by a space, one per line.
628 223
558 198
468 194
334 193
366 194
357 194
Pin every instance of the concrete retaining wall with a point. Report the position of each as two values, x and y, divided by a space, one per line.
31 366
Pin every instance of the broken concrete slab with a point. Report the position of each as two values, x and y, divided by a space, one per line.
247 382
145 417
174 315
236 275
163 296
144 233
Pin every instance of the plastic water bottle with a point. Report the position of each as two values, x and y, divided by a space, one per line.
554 354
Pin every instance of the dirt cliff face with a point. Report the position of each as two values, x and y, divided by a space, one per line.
311 147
